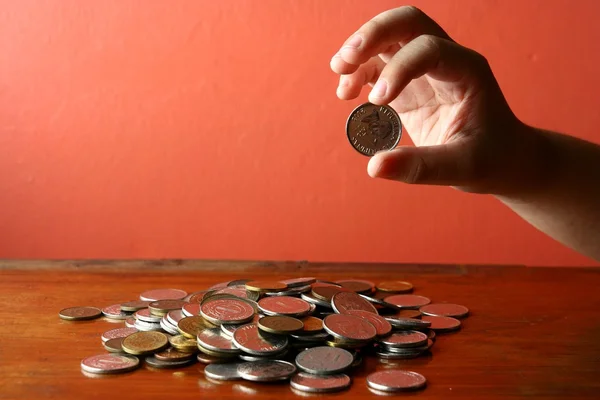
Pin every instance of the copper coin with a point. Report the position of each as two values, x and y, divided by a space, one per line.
117 333
130 322
172 354
114 345
266 286
283 305
349 327
114 312
141 343
407 314
442 324
237 291
326 292
405 339
250 340
297 282
163 294
371 128
342 302
80 313
191 326
395 287
407 300
382 326
133 306
218 286
280 324
164 306
197 297
395 380
109 364
191 309
208 359
227 311
357 285
445 310
312 325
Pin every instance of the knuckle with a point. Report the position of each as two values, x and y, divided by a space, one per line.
415 11
418 172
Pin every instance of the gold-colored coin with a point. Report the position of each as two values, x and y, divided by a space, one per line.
266 286
141 343
280 324
395 287
312 324
80 313
191 326
182 343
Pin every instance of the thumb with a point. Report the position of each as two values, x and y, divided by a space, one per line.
449 164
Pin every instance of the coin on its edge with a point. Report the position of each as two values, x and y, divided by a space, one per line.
371 128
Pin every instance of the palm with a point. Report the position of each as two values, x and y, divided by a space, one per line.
432 111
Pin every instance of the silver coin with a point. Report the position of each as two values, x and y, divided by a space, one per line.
145 316
371 128
166 326
320 383
214 339
237 291
385 355
190 309
251 358
291 292
324 360
162 364
308 297
380 302
405 339
343 302
349 327
130 322
417 349
395 380
133 306
407 301
239 282
115 312
442 324
223 372
117 333
382 326
218 286
266 371
147 326
249 339
109 364
313 337
283 305
163 294
229 329
408 323
296 282
175 316
445 310
230 311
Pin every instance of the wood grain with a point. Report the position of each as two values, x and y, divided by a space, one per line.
532 333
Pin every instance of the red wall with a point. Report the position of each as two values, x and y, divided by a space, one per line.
211 129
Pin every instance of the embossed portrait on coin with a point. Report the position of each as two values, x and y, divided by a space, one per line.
377 128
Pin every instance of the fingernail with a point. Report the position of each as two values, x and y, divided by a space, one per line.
354 42
379 89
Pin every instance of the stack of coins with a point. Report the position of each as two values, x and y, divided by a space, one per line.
310 331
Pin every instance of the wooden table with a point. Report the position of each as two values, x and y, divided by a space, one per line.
532 333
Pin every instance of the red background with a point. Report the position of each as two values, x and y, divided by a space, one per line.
211 129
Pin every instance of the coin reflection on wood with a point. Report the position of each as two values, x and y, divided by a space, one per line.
371 128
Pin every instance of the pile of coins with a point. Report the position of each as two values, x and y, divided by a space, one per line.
308 331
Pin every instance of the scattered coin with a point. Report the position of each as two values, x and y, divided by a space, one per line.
357 285
408 323
227 311
343 302
239 282
196 297
395 287
308 297
172 354
133 306
280 324
130 322
312 325
372 128
283 305
80 313
190 327
145 316
109 364
349 327
380 302
382 326
114 312
175 316
442 324
114 345
324 360
406 314
214 339
297 282
163 294
248 339
407 300
396 380
445 310
223 372
162 307
157 363
326 292
142 343
320 383
117 333
208 359
266 286
183 343
266 371
405 339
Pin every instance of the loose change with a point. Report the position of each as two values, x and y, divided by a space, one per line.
308 331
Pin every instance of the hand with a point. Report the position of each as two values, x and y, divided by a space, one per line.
447 98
